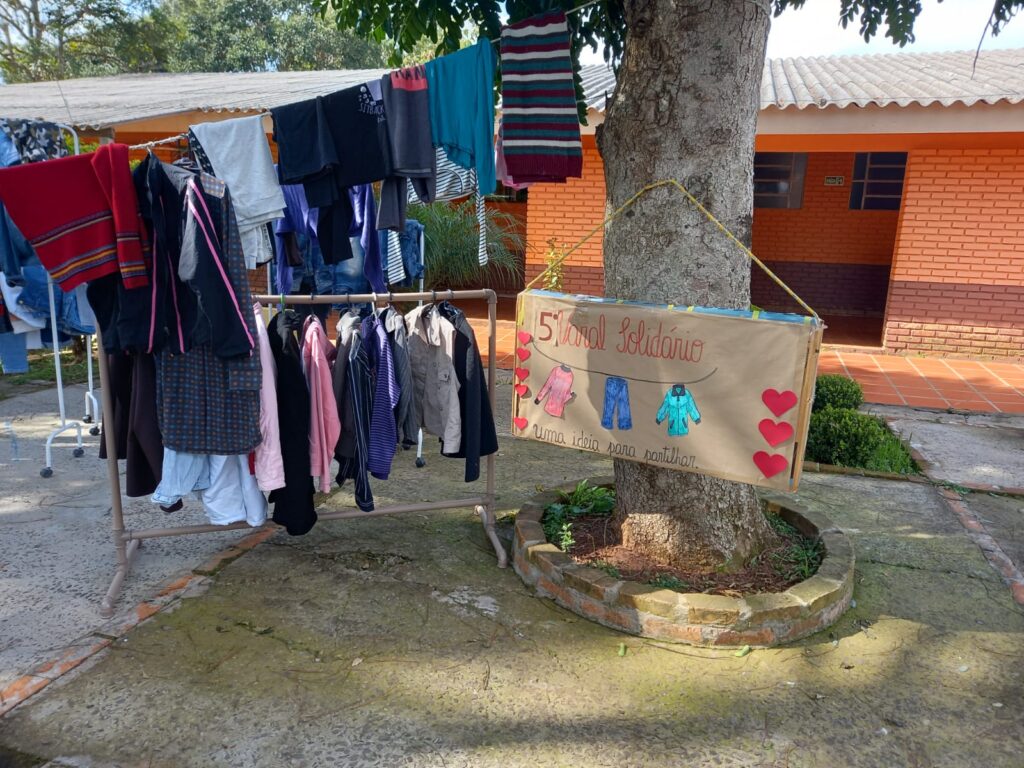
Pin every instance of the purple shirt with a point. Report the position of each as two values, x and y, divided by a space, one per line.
299 218
383 431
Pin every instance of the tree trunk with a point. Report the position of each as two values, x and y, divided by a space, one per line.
685 108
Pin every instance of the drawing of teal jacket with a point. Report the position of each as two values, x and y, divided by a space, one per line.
678 407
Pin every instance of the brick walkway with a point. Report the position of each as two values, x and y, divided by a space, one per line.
922 382
931 382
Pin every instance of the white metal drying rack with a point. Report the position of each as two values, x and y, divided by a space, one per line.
127 540
91 406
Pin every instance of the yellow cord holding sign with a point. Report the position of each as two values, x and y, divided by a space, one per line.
555 263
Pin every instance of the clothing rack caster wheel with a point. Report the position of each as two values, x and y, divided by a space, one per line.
46 472
94 431
87 419
420 462
78 453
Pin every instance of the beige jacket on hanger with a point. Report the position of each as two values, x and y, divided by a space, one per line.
431 347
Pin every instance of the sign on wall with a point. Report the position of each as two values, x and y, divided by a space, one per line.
835 181
718 392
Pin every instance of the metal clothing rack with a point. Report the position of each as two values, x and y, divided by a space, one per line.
128 540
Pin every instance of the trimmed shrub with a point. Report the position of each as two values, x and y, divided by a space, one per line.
844 437
834 391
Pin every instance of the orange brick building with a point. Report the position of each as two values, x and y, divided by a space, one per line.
889 193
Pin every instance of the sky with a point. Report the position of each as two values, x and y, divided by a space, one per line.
954 25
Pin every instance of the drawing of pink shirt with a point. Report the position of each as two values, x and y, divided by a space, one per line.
558 389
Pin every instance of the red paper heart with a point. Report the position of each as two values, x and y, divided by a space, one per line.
775 433
778 402
522 353
522 389
522 373
525 337
520 423
770 465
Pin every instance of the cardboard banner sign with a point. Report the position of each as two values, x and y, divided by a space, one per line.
720 392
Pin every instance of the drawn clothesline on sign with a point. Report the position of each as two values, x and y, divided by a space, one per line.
631 378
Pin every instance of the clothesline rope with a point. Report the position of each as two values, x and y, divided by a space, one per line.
675 184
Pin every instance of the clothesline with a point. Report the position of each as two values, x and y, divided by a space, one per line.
181 136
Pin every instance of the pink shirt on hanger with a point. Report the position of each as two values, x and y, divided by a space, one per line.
324 424
269 466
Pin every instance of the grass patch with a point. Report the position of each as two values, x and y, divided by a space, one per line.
41 369
608 568
800 559
668 581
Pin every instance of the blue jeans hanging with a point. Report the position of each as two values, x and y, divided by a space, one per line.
616 399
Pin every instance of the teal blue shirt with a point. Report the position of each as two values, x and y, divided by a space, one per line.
461 96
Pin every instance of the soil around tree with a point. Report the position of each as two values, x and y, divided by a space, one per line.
790 559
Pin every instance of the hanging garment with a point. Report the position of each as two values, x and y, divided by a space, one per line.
34 140
616 400
15 251
8 152
239 154
134 421
233 495
435 386
678 407
479 437
406 417
268 463
23 319
407 107
540 130
558 391
96 229
225 322
504 177
454 182
293 504
13 353
330 144
461 93
403 253
300 222
383 437
208 403
183 473
353 450
324 424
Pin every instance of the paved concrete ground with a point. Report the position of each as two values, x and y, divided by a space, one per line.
964 449
56 552
396 642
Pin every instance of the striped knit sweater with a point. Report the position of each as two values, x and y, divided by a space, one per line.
81 215
540 125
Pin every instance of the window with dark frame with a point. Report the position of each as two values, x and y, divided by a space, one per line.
878 181
779 179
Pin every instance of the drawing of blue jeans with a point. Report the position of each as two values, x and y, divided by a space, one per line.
616 399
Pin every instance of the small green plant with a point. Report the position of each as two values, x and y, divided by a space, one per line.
565 539
555 271
587 499
668 581
608 568
834 391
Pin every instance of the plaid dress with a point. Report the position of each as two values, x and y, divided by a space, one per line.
208 404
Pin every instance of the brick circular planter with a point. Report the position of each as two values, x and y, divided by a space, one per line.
697 619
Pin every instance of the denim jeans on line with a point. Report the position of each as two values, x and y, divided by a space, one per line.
616 399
